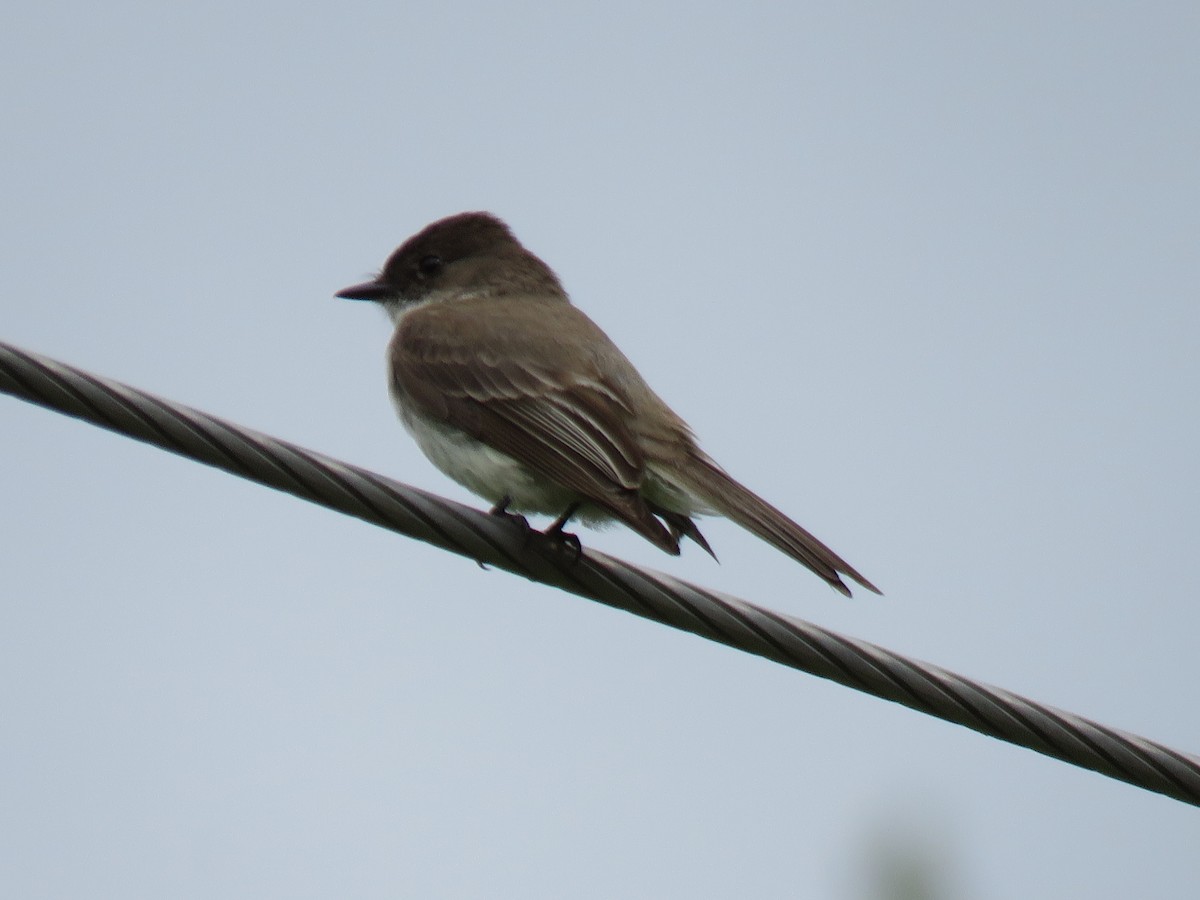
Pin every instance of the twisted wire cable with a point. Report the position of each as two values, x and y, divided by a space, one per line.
496 541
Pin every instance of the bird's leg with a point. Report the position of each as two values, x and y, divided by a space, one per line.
501 509
555 531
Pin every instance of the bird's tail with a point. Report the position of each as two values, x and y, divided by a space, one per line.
633 510
708 482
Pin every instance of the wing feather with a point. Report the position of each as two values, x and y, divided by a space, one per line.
537 394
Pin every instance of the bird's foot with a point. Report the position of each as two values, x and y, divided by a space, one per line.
501 510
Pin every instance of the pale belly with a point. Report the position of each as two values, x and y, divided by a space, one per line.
489 473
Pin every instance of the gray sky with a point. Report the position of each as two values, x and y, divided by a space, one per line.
927 278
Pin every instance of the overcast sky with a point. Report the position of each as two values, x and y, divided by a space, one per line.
925 276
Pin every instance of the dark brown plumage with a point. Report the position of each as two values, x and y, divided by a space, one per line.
517 394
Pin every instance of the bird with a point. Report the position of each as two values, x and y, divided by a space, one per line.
512 391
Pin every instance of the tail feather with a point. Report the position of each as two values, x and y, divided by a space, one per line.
631 509
681 525
709 482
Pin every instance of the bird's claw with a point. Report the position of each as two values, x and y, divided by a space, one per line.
501 510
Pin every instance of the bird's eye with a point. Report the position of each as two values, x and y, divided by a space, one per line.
430 265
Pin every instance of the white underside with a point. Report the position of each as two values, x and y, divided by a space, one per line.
484 471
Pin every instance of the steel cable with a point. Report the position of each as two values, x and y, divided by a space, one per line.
495 541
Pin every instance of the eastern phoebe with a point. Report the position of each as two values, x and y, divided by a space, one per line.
517 395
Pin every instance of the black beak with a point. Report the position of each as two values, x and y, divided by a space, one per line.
368 290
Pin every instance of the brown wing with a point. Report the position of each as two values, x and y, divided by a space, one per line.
524 376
